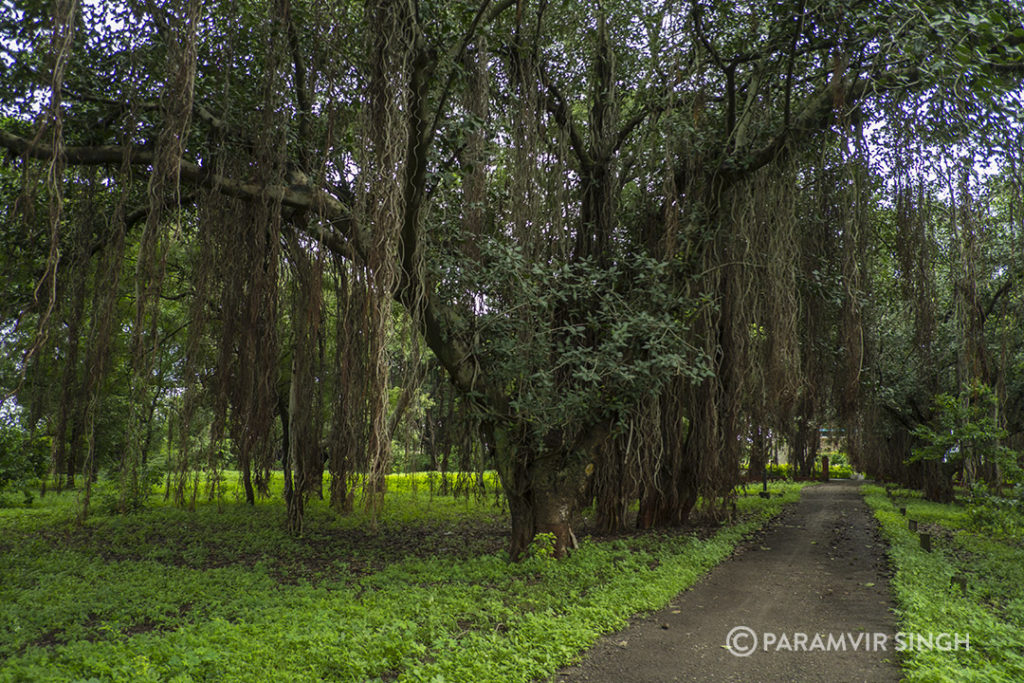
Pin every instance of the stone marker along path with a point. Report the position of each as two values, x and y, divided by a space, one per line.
819 568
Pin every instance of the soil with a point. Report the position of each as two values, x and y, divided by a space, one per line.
819 568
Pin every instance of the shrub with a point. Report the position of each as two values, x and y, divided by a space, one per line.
24 457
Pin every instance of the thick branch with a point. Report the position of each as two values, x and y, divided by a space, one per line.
455 55
816 116
629 127
558 108
1011 278
339 233
294 196
438 322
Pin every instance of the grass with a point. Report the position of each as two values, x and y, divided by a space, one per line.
224 594
990 612
835 471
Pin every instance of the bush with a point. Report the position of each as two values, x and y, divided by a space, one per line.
23 458
785 471
964 434
835 458
998 515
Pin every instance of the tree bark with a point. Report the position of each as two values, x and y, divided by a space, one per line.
938 482
250 494
758 453
542 486
282 411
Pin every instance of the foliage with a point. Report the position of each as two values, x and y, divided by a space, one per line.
835 457
24 458
946 308
1000 515
990 611
626 342
964 431
785 471
628 235
222 594
542 546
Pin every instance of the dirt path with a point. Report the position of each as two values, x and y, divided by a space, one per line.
817 569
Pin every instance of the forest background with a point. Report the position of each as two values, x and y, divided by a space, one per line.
615 252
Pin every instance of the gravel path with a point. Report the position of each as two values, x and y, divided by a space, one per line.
818 569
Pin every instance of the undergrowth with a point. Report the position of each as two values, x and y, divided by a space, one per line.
990 612
224 594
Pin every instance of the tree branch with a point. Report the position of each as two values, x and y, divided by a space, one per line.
294 196
1014 275
630 126
558 108
814 117
455 55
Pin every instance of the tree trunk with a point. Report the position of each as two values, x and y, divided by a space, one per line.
341 497
250 494
71 397
670 508
670 492
545 506
758 453
798 448
293 461
938 482
542 488
282 411
612 488
813 445
670 504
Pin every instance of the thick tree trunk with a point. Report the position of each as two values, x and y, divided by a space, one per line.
542 488
612 488
938 482
690 450
667 509
545 506
341 496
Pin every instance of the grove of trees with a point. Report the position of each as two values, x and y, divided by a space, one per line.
611 250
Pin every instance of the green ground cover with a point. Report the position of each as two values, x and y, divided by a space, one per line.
422 593
991 609
835 471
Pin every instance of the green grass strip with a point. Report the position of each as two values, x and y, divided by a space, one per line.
927 602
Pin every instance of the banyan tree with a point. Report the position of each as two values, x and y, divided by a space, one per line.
629 234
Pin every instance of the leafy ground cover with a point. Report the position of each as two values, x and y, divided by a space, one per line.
422 593
989 610
835 471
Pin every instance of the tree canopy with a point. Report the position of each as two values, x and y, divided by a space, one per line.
609 249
